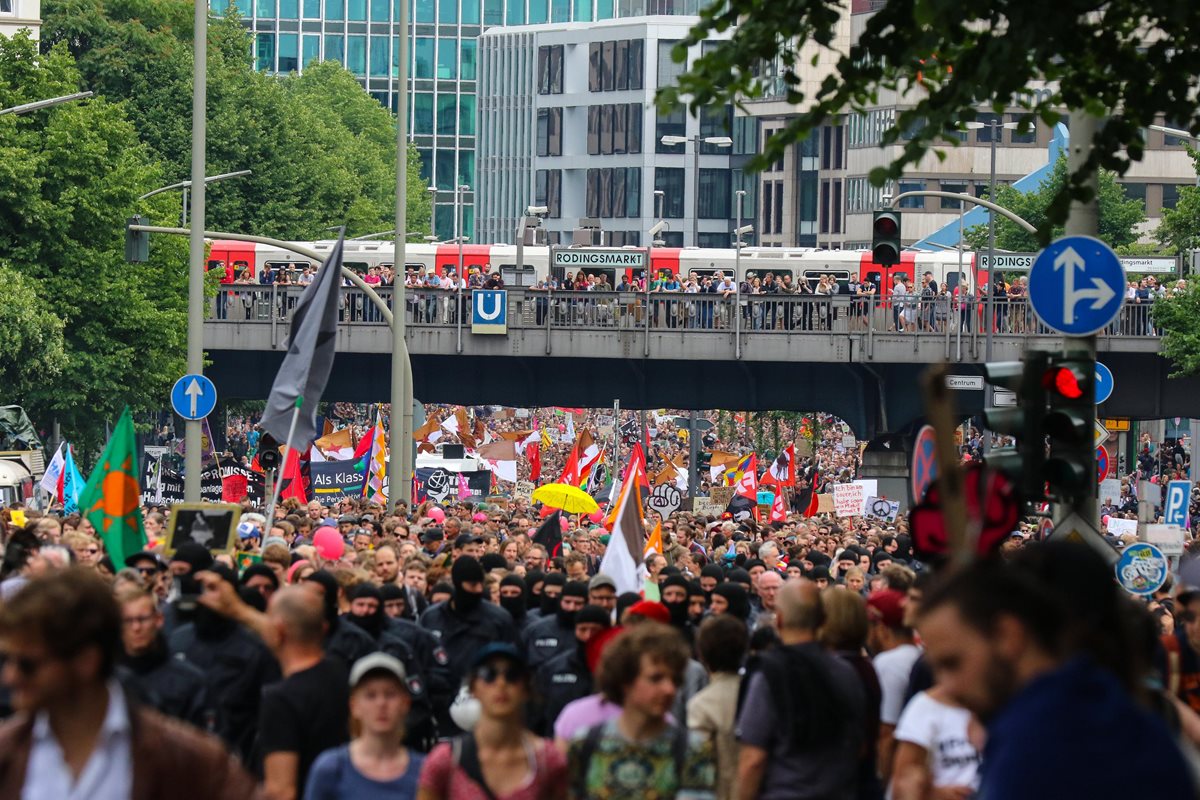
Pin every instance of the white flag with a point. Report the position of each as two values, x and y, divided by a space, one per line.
54 472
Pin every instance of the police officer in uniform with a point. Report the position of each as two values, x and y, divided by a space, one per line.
567 677
554 634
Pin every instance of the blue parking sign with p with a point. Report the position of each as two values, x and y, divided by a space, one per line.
1179 496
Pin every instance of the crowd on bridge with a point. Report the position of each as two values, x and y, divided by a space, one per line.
476 649
821 302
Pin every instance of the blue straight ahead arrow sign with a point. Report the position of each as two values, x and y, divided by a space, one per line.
1077 285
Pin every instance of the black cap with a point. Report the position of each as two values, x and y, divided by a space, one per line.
432 535
144 555
494 649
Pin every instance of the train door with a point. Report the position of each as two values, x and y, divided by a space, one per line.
236 258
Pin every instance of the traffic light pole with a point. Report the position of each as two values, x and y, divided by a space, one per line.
1083 220
195 316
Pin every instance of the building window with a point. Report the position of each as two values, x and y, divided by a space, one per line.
539 11
381 10
951 203
549 132
467 61
637 63
621 65
715 121
835 208
379 57
984 134
548 191
289 52
312 49
912 186
672 124
516 12
714 194
493 12
312 9
447 12
583 10
289 9
466 167
356 55
335 48
778 215
668 70
335 10
612 192
550 69
423 50
670 181
633 193
447 114
824 216
466 114
264 9
1170 195
1135 191
768 207
356 10
423 113
470 12
264 52
1023 138
560 10
447 61
595 81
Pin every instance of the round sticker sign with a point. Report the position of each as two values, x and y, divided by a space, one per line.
1142 569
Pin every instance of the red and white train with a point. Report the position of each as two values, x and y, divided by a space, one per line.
247 260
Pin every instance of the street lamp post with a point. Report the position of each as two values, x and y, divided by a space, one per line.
195 332
737 273
400 465
186 185
37 105
990 301
459 224
697 140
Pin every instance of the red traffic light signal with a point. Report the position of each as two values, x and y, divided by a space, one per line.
1066 381
886 226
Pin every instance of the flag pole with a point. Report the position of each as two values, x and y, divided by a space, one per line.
287 449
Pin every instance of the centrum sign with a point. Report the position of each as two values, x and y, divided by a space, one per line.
594 257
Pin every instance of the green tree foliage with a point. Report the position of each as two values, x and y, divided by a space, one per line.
31 335
1179 316
1133 62
322 151
1119 215
69 176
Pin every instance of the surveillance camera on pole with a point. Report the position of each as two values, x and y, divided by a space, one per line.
658 228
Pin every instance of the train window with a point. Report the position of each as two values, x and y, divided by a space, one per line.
512 276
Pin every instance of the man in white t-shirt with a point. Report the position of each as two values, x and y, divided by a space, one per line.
892 643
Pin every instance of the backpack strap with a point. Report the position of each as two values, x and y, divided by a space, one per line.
586 750
465 752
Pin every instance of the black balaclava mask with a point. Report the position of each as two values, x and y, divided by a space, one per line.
371 623
679 610
593 614
711 571
466 570
532 578
624 601
330 585
550 604
516 606
695 591
735 595
390 591
573 589
209 624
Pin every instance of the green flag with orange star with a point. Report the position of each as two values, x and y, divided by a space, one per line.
112 500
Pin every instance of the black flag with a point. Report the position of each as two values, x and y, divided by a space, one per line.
549 534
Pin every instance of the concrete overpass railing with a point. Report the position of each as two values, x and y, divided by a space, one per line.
676 326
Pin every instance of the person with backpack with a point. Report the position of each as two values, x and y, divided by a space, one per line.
375 764
499 758
641 671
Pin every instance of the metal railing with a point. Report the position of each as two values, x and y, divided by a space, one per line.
675 312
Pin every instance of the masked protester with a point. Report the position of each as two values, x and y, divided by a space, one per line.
697 603
552 588
674 594
567 677
366 609
462 625
554 634
731 598
513 600
347 642
535 579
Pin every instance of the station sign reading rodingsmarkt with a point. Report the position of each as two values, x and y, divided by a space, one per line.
1140 265
583 257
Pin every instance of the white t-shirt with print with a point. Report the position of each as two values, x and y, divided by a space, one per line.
942 731
893 668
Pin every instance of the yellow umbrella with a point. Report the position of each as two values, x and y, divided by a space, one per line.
569 498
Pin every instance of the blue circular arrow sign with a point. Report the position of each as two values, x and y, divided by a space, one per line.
1077 285
193 397
1104 383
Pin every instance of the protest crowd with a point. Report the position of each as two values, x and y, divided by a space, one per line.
481 645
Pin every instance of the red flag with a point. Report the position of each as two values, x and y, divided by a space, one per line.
234 488
533 452
782 471
778 509
570 473
748 485
293 481
637 460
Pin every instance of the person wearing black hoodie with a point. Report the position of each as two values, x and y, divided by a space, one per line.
554 633
462 625
344 642
169 685
734 601
236 665
566 677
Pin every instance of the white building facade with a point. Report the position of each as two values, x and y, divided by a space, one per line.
18 14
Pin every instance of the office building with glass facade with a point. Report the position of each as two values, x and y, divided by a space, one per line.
364 36
567 121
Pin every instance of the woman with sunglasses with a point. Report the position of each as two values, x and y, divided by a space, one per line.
500 759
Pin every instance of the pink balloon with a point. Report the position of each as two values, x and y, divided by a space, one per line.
596 516
564 522
437 515
329 543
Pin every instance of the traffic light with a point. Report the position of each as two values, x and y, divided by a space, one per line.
137 243
1023 463
885 238
1070 386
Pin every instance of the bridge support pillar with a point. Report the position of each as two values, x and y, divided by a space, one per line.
890 468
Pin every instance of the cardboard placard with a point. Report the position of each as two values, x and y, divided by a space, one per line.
707 507
825 504
211 525
722 495
849 499
524 489
1120 527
